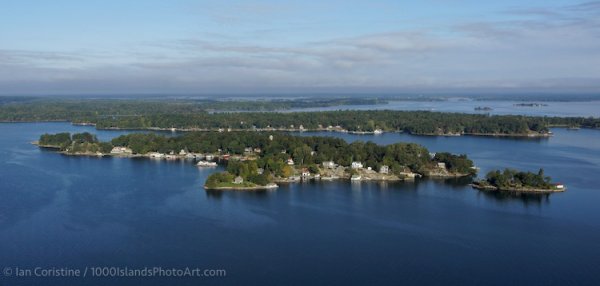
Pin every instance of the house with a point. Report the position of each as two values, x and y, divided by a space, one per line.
329 165
441 165
156 155
121 151
182 152
290 161
559 186
385 169
248 150
377 131
357 165
257 150
209 157
305 173
238 180
301 127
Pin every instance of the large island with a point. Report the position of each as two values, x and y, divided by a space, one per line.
210 116
259 160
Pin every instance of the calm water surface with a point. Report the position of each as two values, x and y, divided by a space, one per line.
60 211
499 107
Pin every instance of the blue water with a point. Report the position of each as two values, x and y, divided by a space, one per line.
499 107
60 211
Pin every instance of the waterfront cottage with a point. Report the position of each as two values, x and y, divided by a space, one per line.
238 180
384 169
329 165
357 165
121 151
156 155
305 173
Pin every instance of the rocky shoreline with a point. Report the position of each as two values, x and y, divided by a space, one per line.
516 190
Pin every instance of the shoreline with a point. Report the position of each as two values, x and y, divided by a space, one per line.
516 190
516 135
339 130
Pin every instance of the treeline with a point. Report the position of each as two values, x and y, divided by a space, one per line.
92 110
515 179
415 122
77 143
192 114
274 149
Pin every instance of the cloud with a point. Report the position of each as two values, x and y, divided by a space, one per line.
545 48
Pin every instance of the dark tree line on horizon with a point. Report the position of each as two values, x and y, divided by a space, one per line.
132 114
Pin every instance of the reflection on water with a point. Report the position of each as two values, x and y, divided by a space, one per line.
526 198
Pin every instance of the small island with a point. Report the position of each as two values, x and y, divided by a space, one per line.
259 160
532 104
519 182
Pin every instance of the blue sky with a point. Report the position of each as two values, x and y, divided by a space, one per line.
179 46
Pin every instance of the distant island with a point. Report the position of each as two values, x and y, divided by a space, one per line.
483 108
189 115
257 160
533 104
517 181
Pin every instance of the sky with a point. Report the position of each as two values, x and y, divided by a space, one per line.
212 47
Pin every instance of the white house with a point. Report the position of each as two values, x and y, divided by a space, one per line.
182 152
156 155
121 150
385 169
357 165
238 180
441 165
559 186
329 165
290 161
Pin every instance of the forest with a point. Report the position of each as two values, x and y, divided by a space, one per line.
201 115
271 150
517 179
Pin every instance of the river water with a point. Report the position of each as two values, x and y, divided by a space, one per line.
60 211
